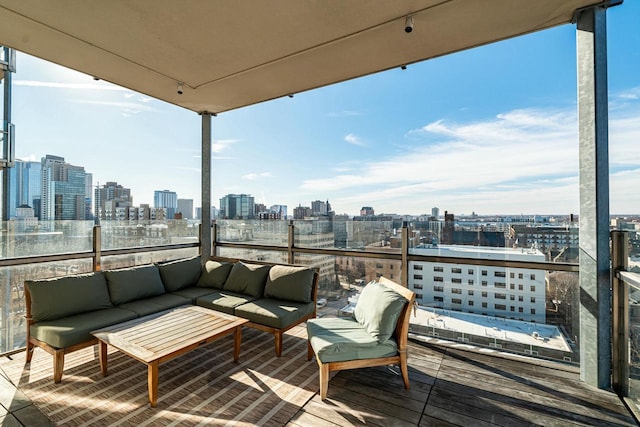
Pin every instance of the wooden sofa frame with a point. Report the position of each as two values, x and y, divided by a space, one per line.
400 334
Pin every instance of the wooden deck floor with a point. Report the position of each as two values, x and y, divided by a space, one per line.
451 387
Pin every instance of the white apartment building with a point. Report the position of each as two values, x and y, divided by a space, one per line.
516 293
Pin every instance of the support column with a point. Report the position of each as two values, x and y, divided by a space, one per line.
205 229
595 276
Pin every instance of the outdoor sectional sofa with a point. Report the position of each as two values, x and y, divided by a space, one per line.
62 312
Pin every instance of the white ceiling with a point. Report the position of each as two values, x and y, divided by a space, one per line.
235 53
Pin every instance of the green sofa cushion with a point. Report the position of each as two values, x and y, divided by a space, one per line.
378 309
130 284
290 283
66 296
343 338
223 301
247 279
155 304
193 293
76 329
274 313
180 273
214 274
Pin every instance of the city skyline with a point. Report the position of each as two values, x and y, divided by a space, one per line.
435 134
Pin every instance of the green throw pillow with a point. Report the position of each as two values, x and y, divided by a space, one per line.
65 296
130 284
378 309
289 283
180 273
247 279
214 274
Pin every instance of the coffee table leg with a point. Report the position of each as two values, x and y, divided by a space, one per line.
236 344
103 358
152 378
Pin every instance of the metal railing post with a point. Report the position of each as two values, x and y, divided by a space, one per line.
214 238
404 267
97 248
620 313
290 243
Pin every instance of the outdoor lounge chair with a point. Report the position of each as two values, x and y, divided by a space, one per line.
375 336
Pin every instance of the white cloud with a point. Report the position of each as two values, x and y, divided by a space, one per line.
221 145
128 109
354 140
256 176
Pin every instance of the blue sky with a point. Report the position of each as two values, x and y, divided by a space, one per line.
491 130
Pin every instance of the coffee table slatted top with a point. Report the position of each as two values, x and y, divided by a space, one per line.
161 334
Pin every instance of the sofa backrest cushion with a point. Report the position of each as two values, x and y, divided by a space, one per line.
214 274
180 273
65 296
290 283
378 309
248 279
130 284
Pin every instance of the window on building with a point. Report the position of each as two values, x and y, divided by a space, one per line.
520 287
438 299
520 276
499 274
533 299
456 301
456 291
484 283
418 296
438 288
512 308
378 274
484 272
512 286
436 268
456 280
417 276
500 307
438 279
533 277
470 271
417 267
500 296
533 311
484 295
520 310
390 266
512 297
417 286
469 303
456 270
470 281
378 265
512 275
484 305
520 298
533 288
391 276
500 285
470 292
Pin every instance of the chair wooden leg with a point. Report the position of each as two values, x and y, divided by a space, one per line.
324 379
278 340
309 350
58 365
404 369
30 348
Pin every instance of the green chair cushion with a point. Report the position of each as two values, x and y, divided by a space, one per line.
290 283
274 313
247 279
66 296
193 293
342 338
143 307
223 301
378 309
214 274
76 329
130 284
180 273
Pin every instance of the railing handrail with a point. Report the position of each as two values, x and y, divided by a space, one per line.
630 278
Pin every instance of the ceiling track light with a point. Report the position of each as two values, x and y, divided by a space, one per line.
408 24
180 88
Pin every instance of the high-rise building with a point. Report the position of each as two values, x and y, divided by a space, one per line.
166 199
367 211
109 197
279 210
185 207
237 206
63 190
25 186
320 208
435 213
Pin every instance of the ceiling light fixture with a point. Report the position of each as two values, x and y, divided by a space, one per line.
180 91
408 24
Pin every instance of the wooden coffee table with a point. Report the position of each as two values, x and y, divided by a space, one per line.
159 337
